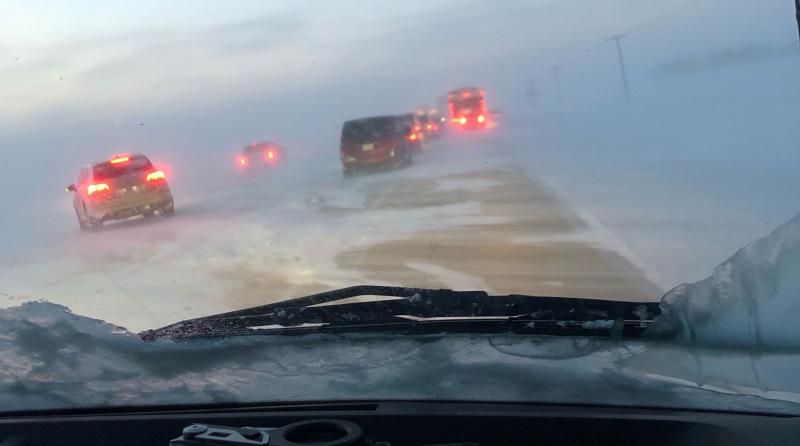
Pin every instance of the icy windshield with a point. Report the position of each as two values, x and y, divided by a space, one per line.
604 150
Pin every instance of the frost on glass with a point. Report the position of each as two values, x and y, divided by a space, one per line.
751 300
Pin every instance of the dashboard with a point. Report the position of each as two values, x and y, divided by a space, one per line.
394 423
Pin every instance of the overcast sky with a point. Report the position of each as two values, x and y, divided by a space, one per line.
95 58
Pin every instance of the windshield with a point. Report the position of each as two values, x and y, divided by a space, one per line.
406 120
367 129
467 104
121 166
256 148
601 150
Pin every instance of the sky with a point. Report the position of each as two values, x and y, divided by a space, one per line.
92 58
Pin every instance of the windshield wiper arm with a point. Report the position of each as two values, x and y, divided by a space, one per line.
422 310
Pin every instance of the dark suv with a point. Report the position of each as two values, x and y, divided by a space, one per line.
374 141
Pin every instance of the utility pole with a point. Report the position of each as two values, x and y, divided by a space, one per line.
622 63
558 81
797 13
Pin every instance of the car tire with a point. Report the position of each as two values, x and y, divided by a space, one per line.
408 157
168 210
81 224
88 225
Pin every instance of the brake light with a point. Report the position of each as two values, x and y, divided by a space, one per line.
412 137
430 126
120 160
270 155
481 118
97 187
462 120
156 176
243 161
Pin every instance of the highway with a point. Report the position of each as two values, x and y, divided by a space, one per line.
466 215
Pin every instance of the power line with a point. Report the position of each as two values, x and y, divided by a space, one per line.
622 63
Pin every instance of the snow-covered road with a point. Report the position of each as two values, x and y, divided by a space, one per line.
464 216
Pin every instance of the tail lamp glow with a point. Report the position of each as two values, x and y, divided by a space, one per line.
156 176
96 188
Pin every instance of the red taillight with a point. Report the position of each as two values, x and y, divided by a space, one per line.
156 176
270 155
243 161
430 126
481 118
412 137
96 188
462 120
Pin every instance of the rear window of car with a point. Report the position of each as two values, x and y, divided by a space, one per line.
256 148
407 120
135 164
366 129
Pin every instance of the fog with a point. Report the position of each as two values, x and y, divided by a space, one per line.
190 94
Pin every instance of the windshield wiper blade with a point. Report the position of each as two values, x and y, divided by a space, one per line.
422 310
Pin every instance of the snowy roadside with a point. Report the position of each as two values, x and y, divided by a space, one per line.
460 217
692 168
267 239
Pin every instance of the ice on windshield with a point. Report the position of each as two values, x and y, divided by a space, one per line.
611 161
750 300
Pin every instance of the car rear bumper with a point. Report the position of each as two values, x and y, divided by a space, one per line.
124 207
472 125
375 159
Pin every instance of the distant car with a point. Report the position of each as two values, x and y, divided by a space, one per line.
430 127
122 187
259 156
413 128
374 141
